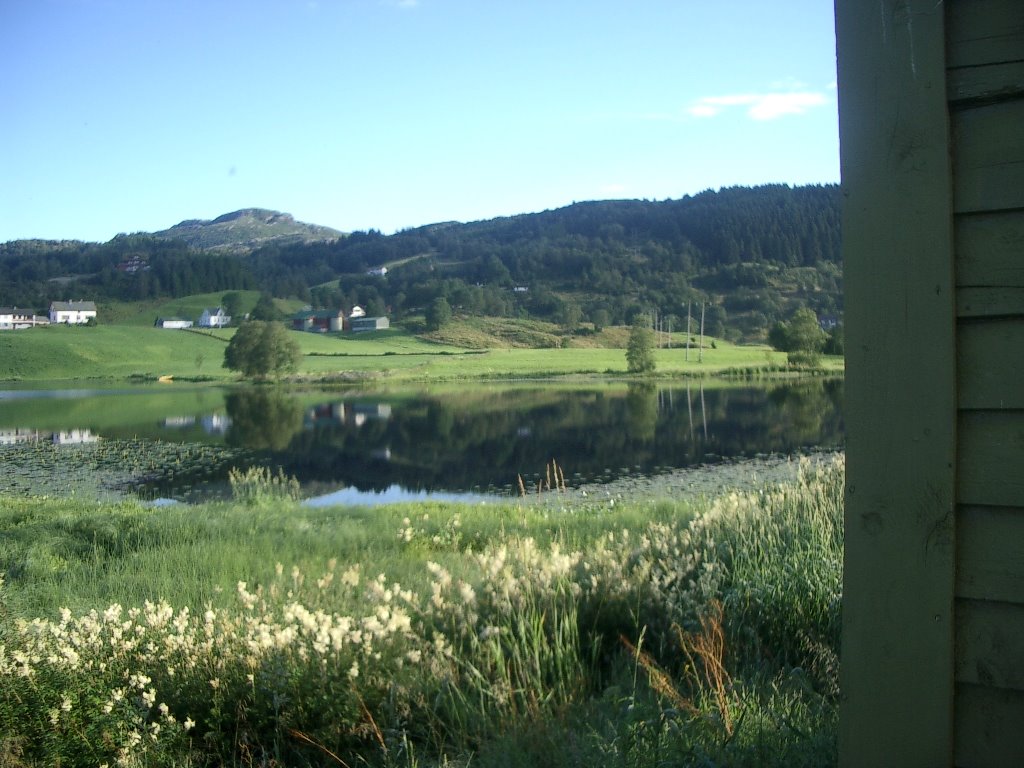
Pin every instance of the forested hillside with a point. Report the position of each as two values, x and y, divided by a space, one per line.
750 255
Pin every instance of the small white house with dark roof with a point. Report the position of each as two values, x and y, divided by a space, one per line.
13 319
72 312
214 317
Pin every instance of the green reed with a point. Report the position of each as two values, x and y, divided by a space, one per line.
427 634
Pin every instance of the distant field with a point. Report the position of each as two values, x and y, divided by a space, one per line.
187 307
140 350
107 352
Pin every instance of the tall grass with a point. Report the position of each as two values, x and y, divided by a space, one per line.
449 636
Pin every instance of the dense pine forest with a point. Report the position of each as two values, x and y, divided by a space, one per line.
749 256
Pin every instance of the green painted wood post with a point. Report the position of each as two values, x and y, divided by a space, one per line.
897 651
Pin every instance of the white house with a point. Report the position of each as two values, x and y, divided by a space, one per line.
357 311
378 272
72 312
14 319
214 318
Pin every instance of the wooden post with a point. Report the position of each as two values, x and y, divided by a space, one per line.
898 628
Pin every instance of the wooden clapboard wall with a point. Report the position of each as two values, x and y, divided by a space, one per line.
985 90
932 134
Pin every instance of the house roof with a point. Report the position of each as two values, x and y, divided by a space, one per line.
72 306
321 314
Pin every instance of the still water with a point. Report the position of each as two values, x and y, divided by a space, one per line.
362 447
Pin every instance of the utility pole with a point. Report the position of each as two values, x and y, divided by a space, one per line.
701 353
689 304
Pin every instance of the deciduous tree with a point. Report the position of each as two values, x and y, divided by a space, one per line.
802 337
640 347
438 314
265 309
261 350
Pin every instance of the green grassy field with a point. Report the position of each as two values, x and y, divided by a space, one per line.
108 352
652 632
117 352
186 307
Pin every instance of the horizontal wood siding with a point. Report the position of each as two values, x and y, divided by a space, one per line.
985 88
983 32
989 302
989 727
990 357
990 555
981 84
990 644
991 458
988 157
985 39
988 250
990 684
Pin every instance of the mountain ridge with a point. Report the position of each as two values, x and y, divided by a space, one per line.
246 229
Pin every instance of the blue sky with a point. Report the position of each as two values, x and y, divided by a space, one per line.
132 115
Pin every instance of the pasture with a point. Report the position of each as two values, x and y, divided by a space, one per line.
122 352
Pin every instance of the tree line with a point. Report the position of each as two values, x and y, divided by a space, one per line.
752 255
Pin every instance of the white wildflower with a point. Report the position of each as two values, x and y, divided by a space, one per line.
350 577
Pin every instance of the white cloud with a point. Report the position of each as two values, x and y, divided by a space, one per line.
789 84
760 106
703 109
612 189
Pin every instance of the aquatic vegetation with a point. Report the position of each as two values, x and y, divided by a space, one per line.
111 469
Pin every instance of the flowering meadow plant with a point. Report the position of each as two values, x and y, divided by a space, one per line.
496 636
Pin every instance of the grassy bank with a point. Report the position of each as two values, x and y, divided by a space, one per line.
119 352
263 632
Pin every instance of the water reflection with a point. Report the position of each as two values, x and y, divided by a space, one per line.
480 441
471 440
64 437
262 419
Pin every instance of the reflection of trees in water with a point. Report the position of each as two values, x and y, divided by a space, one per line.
458 443
262 419
642 411
804 407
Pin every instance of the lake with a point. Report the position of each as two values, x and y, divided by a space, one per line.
372 446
